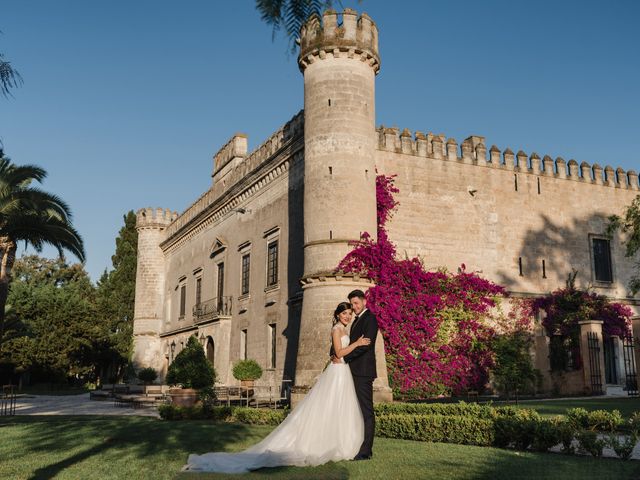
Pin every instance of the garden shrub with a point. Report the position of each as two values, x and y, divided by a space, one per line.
190 368
622 445
466 430
251 416
589 442
595 420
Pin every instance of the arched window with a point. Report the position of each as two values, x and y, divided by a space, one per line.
210 350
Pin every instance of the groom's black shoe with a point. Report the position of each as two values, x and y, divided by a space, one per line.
362 456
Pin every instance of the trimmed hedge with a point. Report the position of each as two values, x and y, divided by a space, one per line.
486 411
461 423
251 416
466 430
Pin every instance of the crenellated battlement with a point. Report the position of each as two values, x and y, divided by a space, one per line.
154 218
338 35
473 151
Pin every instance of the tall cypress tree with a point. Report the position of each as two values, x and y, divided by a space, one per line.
116 299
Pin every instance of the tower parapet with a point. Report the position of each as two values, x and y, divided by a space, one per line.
154 218
354 37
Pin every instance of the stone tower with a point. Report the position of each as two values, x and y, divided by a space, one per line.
339 63
150 286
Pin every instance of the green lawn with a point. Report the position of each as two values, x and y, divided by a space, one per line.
558 407
144 448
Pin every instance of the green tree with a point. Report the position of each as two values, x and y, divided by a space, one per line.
629 223
55 305
287 16
33 216
513 371
116 299
191 369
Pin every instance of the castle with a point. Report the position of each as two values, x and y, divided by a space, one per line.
249 267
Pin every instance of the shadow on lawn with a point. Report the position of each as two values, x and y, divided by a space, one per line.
139 435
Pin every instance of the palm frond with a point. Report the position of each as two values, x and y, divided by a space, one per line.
9 77
40 229
290 15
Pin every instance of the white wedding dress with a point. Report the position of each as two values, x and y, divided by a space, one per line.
325 426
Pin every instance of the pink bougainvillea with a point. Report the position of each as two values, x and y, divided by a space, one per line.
435 324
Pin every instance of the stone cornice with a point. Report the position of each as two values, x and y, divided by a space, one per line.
257 180
187 328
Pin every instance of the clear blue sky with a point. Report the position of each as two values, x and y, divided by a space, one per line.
125 102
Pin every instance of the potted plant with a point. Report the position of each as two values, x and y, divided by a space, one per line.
247 371
191 372
147 375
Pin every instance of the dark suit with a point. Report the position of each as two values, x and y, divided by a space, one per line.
362 362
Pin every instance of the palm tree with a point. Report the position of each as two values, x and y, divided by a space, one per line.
289 15
32 216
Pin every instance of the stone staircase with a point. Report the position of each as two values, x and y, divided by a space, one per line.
615 391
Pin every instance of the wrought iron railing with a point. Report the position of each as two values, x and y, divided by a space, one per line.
213 308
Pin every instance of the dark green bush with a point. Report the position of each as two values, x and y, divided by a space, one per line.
191 369
546 435
622 446
513 371
590 443
147 375
567 432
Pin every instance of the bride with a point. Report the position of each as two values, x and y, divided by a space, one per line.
326 425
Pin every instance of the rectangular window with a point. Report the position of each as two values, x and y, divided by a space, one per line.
272 263
220 286
243 344
183 300
246 267
602 260
272 342
198 290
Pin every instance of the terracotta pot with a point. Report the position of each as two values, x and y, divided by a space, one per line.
247 387
183 397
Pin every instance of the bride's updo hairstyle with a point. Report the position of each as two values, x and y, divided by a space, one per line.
342 306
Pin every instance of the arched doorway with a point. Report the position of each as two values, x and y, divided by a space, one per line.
210 351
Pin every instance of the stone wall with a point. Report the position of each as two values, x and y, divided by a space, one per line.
494 216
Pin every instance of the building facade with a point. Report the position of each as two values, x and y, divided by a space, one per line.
249 267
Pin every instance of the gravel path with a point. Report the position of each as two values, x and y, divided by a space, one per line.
75 405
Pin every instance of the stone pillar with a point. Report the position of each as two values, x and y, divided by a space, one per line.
594 326
635 331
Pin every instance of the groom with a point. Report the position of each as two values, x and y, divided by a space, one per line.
362 362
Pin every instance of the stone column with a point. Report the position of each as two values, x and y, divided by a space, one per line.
594 326
635 331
